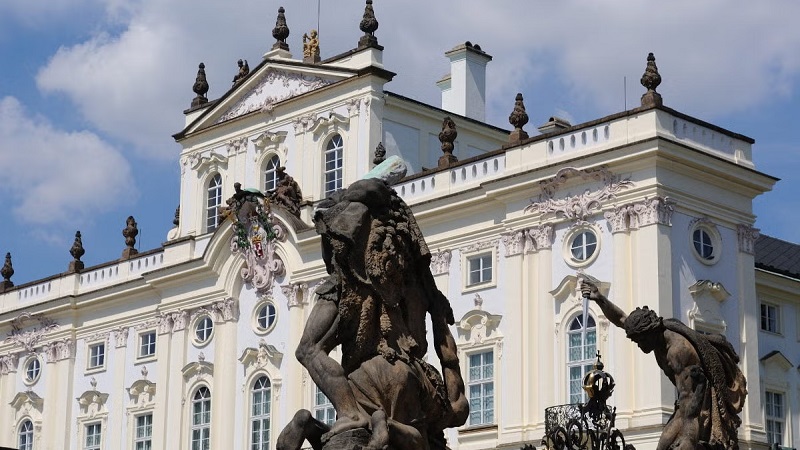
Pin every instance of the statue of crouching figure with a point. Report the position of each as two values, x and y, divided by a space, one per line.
374 304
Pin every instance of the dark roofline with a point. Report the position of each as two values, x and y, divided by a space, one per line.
445 112
371 70
350 52
774 269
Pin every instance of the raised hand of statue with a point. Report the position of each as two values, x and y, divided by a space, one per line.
589 290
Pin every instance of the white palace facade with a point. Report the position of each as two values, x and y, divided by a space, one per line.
192 343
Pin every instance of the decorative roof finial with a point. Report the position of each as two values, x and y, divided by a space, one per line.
651 79
311 47
518 119
7 271
244 70
280 32
447 136
380 154
130 232
76 265
177 220
200 87
368 25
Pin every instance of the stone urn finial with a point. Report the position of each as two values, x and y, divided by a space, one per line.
177 219
281 31
200 87
7 272
369 24
130 232
380 154
651 79
518 119
447 137
77 250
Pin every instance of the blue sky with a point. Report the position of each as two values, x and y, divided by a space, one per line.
91 90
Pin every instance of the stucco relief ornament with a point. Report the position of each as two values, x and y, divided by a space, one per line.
577 207
254 237
440 262
29 339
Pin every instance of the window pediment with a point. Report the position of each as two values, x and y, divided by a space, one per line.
706 312
324 125
92 404
142 394
200 370
261 357
28 402
478 326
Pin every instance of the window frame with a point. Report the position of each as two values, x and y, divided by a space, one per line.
262 417
92 363
775 419
196 339
93 446
31 380
466 268
715 241
482 382
144 440
270 167
140 356
27 435
569 240
328 412
205 411
259 329
777 318
335 175
213 187
585 363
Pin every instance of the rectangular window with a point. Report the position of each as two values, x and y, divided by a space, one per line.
144 433
97 355
147 344
480 388
775 415
480 269
323 408
93 437
770 319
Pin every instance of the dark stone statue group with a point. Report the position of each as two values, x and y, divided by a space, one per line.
374 305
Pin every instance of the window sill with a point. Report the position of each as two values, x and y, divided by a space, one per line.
93 370
476 429
145 359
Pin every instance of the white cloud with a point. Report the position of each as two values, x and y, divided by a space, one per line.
716 58
55 176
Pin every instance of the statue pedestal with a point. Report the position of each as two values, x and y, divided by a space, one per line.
357 439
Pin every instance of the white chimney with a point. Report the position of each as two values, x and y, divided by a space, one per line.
464 89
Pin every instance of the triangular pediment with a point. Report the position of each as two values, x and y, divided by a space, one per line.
271 83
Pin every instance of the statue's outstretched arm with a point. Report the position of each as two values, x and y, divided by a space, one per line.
612 311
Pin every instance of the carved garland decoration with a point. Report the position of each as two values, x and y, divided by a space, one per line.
305 83
577 207
29 339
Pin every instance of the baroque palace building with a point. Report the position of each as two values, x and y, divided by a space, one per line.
191 345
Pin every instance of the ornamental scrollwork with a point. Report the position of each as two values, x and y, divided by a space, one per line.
286 84
440 262
577 207
30 339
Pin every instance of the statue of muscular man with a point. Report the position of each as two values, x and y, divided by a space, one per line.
703 368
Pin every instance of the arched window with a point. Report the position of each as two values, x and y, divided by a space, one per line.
260 419
271 173
214 202
333 164
201 419
581 351
26 436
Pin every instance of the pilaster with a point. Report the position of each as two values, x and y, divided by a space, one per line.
223 403
514 407
540 315
60 364
749 312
